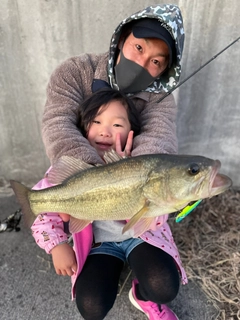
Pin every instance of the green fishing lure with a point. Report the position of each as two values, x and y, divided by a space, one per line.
188 209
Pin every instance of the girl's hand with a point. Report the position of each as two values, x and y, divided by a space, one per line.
64 216
64 259
128 146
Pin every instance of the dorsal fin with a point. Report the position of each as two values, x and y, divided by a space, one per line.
66 167
112 156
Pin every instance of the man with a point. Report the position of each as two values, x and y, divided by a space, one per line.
144 61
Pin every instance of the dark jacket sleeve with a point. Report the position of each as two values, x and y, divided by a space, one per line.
69 84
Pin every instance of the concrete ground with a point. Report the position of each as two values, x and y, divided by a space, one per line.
31 290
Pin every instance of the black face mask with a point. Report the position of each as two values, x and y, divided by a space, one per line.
130 76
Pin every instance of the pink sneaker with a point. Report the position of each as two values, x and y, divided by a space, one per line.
151 309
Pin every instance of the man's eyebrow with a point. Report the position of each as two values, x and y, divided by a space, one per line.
162 55
158 54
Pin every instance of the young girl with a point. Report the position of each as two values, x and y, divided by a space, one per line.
108 121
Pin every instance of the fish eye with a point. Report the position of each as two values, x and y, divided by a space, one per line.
194 169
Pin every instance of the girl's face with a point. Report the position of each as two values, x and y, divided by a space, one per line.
111 120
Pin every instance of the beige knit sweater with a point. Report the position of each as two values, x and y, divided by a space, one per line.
70 83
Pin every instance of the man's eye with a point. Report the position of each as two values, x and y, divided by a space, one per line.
117 125
95 121
139 48
156 62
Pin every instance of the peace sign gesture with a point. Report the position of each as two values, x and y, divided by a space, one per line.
128 147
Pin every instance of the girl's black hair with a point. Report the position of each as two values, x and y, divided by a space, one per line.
90 107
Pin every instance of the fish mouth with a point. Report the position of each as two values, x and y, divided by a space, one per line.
218 182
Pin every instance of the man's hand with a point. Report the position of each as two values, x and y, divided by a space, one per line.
128 146
64 259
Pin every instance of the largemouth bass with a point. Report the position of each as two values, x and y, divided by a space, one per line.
136 189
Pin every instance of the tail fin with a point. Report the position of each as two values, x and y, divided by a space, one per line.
22 193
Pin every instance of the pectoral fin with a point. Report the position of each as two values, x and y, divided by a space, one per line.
142 226
133 221
76 225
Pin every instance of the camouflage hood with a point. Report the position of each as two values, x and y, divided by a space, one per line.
171 16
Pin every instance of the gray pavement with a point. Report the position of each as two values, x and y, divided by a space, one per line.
31 290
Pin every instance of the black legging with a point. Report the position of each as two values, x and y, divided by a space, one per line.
97 285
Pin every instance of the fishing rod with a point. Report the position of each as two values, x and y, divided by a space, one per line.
200 68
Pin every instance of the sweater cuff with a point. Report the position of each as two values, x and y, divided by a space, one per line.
54 242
